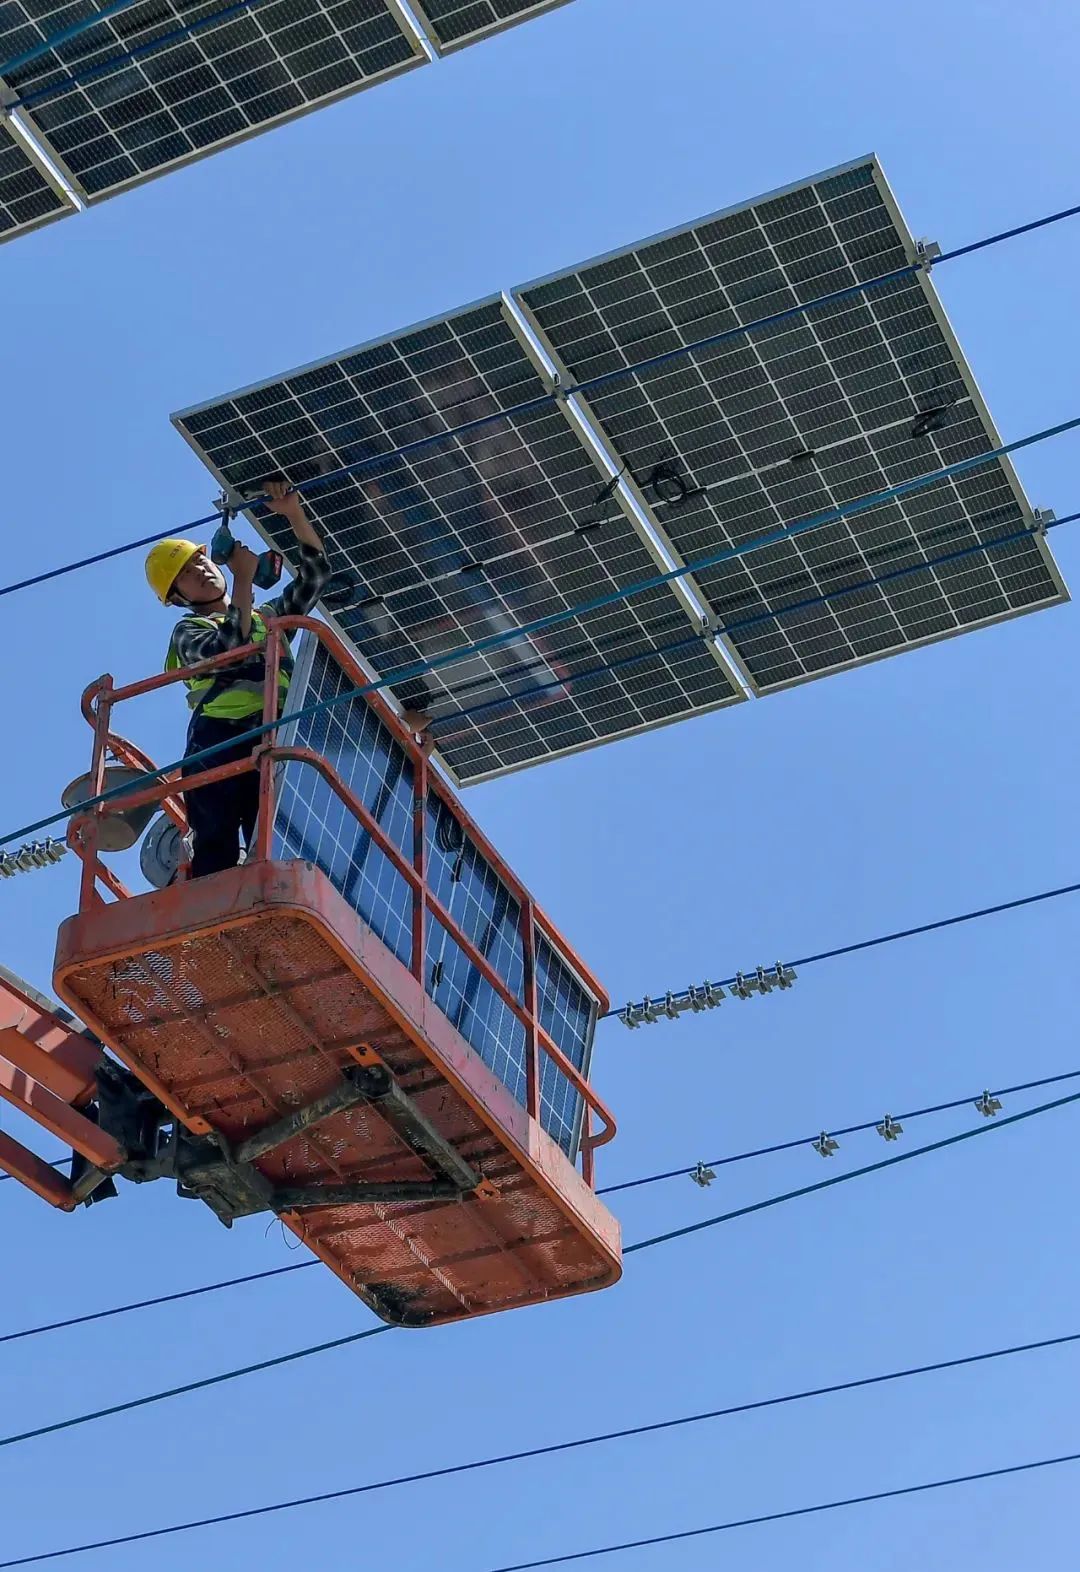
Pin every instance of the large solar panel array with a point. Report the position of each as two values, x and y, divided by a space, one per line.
312 823
490 527
208 73
468 537
790 421
238 72
450 24
28 197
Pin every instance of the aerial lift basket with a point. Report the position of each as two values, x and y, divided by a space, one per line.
299 1067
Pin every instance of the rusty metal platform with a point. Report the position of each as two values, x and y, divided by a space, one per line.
243 999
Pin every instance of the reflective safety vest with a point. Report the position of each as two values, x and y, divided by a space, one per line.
236 692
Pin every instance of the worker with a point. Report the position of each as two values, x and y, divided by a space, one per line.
228 703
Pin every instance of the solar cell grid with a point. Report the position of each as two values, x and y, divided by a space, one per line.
467 537
794 419
27 196
312 823
510 516
238 70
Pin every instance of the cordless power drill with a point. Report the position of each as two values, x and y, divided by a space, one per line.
270 562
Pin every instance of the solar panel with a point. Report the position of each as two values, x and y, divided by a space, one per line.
237 69
451 24
312 823
469 536
731 442
28 197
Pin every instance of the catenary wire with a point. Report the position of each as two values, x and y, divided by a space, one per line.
897 934
612 1189
774 319
554 619
578 1443
645 1244
851 1173
792 1512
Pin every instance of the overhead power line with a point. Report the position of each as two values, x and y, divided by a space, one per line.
450 723
850 1129
780 1517
528 1454
193 1386
611 1189
711 341
558 618
644 1244
159 1299
852 1173
675 998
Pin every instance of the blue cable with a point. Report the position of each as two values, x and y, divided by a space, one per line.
76 77
65 36
569 613
104 556
856 948
1007 234
771 615
544 400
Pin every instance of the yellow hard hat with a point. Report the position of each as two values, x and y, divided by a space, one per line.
166 562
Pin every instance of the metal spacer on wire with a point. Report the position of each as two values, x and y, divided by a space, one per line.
825 1146
988 1105
672 1005
890 1129
229 503
35 854
763 980
703 1175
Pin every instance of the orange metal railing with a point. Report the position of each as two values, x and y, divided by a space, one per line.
101 698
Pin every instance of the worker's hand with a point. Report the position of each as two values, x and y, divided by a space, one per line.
279 498
244 564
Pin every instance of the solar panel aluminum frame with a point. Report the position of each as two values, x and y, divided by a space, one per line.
421 56
628 495
430 28
736 695
38 165
978 404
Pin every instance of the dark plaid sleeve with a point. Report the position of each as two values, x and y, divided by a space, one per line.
302 592
194 643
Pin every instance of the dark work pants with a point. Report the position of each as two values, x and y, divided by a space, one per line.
220 813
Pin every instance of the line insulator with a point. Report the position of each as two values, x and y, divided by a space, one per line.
761 981
35 854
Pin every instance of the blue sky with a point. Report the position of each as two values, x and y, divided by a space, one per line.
902 791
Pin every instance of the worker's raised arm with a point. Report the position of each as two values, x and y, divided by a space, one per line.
312 568
289 505
244 564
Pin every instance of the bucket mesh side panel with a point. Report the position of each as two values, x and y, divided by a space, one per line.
247 1022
